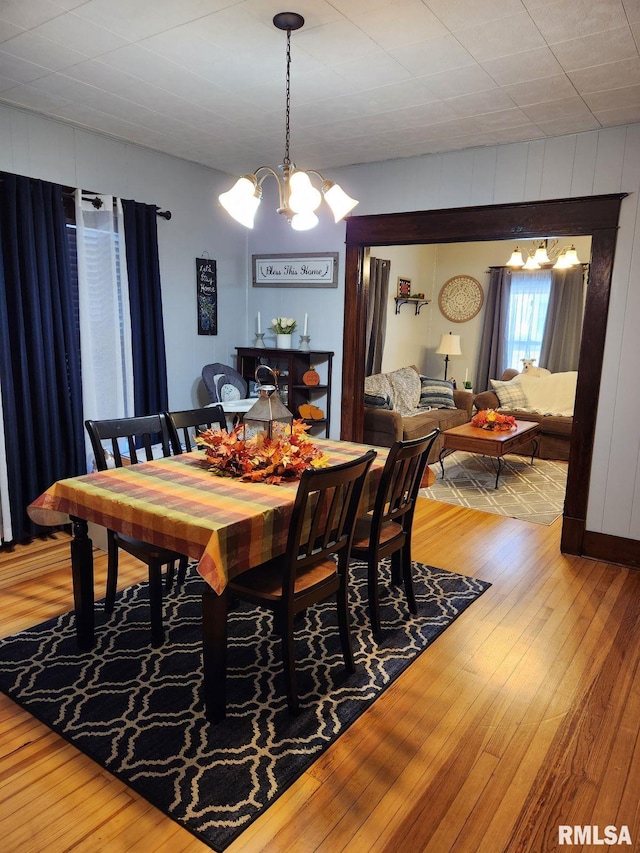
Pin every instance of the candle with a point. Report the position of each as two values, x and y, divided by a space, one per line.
466 375
306 318
259 329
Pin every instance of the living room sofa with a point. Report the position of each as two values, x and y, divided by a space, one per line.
555 430
393 409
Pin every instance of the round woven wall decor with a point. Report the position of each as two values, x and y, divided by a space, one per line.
460 298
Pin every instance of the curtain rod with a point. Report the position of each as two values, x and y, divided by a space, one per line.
97 202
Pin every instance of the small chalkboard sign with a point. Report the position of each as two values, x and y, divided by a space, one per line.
207 291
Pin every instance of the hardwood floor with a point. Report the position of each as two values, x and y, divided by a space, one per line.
521 717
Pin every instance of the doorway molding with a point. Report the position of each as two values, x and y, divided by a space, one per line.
595 216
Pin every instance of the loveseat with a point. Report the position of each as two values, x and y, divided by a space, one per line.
555 429
402 405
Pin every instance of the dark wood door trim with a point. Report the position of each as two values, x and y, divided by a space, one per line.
596 216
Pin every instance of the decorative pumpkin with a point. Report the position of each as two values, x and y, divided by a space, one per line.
311 377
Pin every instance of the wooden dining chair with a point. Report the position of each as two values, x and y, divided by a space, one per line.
129 441
386 530
321 529
184 426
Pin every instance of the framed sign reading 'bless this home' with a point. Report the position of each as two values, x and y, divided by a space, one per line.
307 270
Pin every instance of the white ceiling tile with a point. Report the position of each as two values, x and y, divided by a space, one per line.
621 115
28 13
32 98
397 24
331 43
613 75
598 49
75 33
550 110
460 13
632 9
490 100
435 55
565 19
19 69
505 37
569 124
537 91
369 72
628 96
51 54
459 81
528 65
501 119
8 30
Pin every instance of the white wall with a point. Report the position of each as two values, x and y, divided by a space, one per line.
34 146
584 164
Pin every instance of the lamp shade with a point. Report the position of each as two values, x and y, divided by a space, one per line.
449 345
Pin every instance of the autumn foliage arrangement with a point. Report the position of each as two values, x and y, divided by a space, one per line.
492 420
261 459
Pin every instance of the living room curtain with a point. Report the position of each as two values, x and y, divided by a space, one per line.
560 349
376 314
493 343
39 347
145 299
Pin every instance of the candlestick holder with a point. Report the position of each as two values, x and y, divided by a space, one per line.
304 343
259 340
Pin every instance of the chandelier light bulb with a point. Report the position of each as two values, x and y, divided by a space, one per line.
571 256
516 259
541 256
304 221
242 200
531 263
337 199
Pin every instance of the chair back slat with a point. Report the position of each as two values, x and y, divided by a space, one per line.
324 514
401 480
136 437
185 425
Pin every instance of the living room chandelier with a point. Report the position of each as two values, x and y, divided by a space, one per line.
544 255
299 199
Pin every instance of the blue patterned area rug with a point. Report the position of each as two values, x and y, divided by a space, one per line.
138 712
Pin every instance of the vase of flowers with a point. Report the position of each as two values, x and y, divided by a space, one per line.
283 327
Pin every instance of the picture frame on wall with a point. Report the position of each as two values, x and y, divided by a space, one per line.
207 296
312 269
404 287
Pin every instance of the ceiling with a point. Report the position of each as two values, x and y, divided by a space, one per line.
371 80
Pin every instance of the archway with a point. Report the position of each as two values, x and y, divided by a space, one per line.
593 215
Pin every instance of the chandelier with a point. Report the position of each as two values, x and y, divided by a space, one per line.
544 255
299 199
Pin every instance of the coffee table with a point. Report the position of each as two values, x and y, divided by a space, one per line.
489 443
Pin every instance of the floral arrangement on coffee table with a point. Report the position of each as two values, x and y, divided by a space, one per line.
259 458
492 420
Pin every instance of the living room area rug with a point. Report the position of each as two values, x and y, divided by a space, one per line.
528 492
137 710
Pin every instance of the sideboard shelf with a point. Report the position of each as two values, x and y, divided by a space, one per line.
290 365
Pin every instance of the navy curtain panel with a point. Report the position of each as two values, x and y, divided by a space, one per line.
147 328
39 346
493 344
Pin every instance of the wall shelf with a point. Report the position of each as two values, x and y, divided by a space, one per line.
408 300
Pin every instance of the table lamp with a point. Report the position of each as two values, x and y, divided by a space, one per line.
449 345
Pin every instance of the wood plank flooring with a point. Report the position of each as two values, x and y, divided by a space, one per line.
521 717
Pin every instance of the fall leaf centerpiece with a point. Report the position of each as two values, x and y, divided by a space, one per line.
260 458
492 420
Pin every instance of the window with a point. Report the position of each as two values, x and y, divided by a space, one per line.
528 302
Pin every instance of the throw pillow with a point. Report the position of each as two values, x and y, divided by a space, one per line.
378 401
436 393
511 394
229 392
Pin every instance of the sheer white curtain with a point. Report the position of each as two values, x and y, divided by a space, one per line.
6 534
105 322
528 302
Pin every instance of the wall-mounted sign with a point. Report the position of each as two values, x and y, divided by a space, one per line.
308 270
207 296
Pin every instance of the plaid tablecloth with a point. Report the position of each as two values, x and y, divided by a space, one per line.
178 503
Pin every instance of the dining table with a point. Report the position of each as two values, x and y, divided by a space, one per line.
226 524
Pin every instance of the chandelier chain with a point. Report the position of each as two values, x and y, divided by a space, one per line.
287 161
